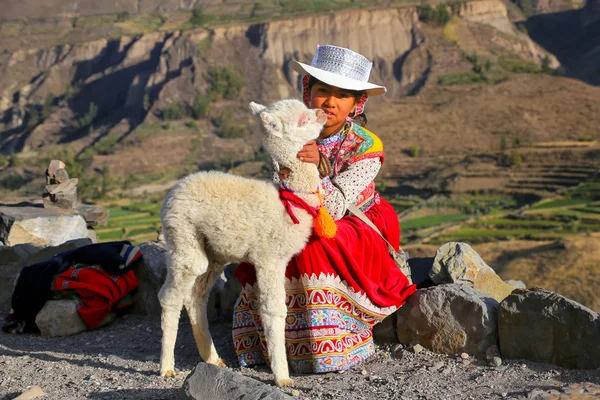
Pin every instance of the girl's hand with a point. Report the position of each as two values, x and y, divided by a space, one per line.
309 153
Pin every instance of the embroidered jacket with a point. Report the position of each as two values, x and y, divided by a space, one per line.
356 156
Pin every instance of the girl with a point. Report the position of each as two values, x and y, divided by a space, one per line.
337 289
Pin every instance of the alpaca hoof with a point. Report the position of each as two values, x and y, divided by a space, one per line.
168 373
218 363
284 382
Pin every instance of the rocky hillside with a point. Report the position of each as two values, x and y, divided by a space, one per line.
574 37
158 105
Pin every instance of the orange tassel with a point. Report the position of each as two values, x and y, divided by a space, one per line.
324 224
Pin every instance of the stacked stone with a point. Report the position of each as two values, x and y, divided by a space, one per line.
61 191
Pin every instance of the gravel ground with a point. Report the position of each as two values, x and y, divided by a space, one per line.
120 361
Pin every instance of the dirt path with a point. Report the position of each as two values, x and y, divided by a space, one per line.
120 361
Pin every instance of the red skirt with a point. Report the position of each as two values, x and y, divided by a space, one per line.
336 290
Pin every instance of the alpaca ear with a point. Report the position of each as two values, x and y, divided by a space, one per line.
272 124
257 108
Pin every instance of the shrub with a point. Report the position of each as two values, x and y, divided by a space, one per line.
517 65
173 112
425 13
107 181
527 6
516 142
546 65
514 159
488 64
192 125
48 106
442 16
438 16
88 118
34 118
226 128
12 182
198 17
414 151
201 106
14 161
224 82
461 78
123 16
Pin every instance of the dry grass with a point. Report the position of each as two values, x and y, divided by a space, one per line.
568 267
444 121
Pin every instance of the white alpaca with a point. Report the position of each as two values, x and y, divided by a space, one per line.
211 219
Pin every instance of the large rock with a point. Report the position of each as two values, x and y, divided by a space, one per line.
40 226
223 296
12 260
49 252
60 318
209 382
543 326
94 216
449 319
152 273
385 331
458 263
15 258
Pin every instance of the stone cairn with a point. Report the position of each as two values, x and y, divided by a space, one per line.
61 192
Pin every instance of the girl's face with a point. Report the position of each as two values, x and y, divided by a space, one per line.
337 104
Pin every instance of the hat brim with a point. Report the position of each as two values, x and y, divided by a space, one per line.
337 80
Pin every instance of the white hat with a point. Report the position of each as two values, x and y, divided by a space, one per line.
340 67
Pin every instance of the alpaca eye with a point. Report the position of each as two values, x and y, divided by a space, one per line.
302 123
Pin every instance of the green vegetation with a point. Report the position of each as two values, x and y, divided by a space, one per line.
141 23
559 203
201 106
460 78
192 125
89 188
48 106
173 112
224 82
123 16
12 181
198 17
492 73
226 128
577 211
439 15
517 65
87 119
414 151
429 221
528 7
135 221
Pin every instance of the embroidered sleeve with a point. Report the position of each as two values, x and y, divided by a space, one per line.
347 185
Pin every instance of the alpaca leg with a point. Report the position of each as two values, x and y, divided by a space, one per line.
183 270
272 310
196 309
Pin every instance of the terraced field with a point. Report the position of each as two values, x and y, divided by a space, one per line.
577 210
136 222
472 217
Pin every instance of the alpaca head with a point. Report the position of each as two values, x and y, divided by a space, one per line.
288 124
